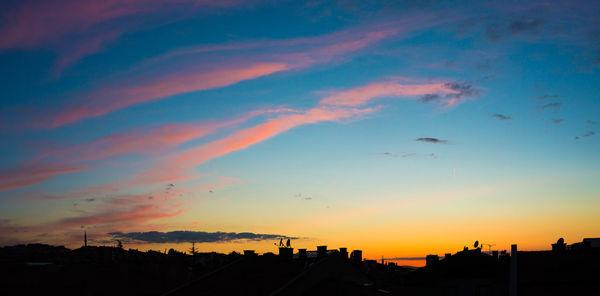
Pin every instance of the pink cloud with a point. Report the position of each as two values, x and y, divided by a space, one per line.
336 106
177 166
277 56
120 210
34 173
296 50
181 163
308 50
332 108
101 221
149 140
37 22
74 52
80 28
340 105
362 95
136 214
115 213
133 210
359 41
113 187
106 100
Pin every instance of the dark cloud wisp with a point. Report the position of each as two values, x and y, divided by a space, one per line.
430 98
182 236
547 96
518 27
589 134
497 31
551 105
403 155
432 140
463 91
501 116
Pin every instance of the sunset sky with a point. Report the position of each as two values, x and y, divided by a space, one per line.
402 129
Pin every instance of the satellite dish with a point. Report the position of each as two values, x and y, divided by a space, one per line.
560 241
476 244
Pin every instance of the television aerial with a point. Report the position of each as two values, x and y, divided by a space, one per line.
489 247
476 244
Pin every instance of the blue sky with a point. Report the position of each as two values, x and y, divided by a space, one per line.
235 116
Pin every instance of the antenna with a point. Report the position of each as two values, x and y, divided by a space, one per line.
193 249
476 244
489 247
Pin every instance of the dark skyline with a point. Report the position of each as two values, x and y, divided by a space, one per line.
401 128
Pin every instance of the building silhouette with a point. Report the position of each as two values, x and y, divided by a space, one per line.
37 269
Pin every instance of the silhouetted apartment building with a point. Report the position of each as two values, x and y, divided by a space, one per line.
587 243
566 269
431 260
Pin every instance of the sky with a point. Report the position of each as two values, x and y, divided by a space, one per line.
398 128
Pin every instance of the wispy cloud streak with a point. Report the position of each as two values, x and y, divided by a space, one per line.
551 105
145 141
198 74
114 213
432 140
178 166
336 107
30 174
106 100
501 116
79 28
362 95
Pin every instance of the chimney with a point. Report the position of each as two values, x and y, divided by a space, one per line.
431 260
344 253
559 247
302 254
512 287
321 252
357 256
286 253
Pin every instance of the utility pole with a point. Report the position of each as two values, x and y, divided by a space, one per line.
512 280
